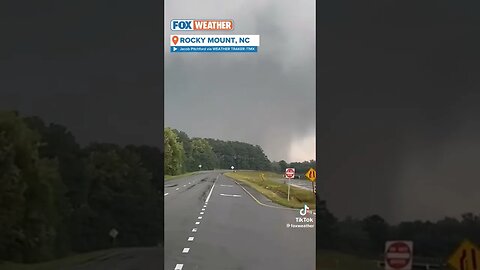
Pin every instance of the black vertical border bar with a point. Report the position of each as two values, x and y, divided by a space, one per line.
318 166
161 73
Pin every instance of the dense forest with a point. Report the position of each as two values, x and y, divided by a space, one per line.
367 236
185 154
58 198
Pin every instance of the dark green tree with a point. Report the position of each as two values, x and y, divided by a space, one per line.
202 154
283 165
30 193
377 229
174 154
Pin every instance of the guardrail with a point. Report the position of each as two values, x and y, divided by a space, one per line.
427 266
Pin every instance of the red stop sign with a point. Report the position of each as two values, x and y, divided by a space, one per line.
290 172
398 255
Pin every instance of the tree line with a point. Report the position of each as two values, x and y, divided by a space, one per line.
367 236
185 154
57 197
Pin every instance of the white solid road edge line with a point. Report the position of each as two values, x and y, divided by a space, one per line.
271 206
178 266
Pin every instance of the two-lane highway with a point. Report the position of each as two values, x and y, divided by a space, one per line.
211 222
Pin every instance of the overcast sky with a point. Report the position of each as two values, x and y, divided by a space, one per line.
265 98
398 89
399 108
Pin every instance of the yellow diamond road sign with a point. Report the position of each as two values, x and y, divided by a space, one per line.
466 257
311 174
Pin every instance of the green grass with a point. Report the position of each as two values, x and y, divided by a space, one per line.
171 177
275 191
331 260
58 264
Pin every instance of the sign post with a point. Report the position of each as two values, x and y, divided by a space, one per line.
465 257
113 233
398 255
289 173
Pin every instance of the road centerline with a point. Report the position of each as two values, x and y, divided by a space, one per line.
210 194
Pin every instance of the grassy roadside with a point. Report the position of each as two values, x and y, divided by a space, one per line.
171 177
277 192
60 263
331 260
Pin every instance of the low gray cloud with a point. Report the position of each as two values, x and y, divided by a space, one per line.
265 98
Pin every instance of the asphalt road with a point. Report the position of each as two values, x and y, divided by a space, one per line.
147 258
213 223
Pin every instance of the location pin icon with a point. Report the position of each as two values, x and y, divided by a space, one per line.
175 40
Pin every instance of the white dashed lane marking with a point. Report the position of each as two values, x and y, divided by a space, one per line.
190 239
165 194
230 195
226 185
177 188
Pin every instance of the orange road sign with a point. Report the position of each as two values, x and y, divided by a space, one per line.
311 175
466 257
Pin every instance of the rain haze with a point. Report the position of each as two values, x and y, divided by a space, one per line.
399 109
265 98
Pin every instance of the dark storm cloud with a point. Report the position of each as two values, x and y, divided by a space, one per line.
91 66
398 108
265 98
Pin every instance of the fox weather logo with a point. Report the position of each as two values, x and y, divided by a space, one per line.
201 25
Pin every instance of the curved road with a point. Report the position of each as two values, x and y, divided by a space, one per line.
211 222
